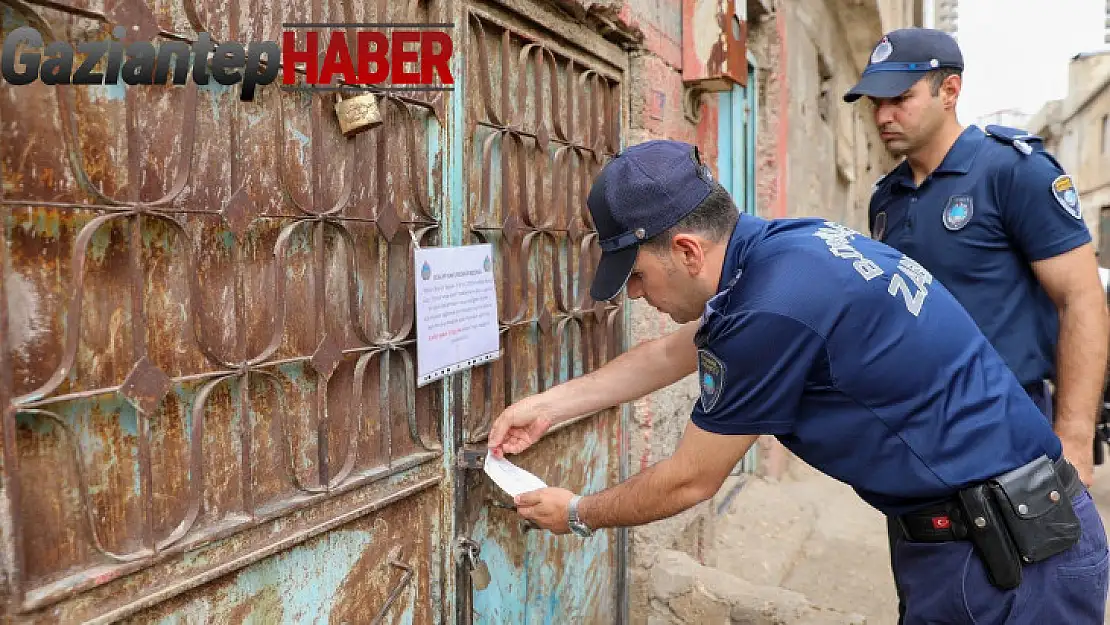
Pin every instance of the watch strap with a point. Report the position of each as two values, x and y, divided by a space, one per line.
572 510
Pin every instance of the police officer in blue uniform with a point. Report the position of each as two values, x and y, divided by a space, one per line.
995 219
860 362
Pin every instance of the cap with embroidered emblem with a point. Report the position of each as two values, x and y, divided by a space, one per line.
642 192
901 58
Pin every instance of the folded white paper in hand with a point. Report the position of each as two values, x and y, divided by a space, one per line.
511 478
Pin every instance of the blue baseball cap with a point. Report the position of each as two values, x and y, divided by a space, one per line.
901 58
642 192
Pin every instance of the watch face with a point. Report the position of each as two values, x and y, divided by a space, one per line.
581 530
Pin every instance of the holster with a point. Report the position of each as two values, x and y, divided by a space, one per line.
989 537
1037 509
1021 517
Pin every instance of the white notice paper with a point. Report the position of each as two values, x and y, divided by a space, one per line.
456 310
511 478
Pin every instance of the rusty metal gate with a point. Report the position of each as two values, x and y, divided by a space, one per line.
207 340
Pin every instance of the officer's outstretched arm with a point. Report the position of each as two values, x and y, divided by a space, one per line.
645 368
693 474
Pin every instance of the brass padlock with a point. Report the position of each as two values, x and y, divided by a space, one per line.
479 571
357 114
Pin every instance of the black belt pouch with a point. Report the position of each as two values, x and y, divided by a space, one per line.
1036 509
988 535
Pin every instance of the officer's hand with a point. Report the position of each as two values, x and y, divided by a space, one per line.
546 507
518 427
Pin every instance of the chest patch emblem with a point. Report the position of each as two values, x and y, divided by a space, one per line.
957 213
878 229
711 378
1063 189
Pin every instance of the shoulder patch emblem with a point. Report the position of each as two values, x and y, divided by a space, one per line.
711 378
1063 189
957 213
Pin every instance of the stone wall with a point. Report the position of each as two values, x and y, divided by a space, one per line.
685 592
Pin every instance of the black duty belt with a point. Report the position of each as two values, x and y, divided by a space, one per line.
945 521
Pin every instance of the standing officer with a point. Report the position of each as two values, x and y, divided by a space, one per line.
997 220
859 362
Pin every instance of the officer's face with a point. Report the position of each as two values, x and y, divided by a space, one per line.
665 283
908 122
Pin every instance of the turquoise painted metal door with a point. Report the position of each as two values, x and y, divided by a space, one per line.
540 119
736 140
206 330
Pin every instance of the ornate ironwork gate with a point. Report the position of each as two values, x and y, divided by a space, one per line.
207 339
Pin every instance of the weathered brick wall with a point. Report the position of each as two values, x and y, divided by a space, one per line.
816 156
657 113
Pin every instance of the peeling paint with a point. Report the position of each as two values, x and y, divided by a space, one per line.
241 530
302 143
24 327
111 92
705 13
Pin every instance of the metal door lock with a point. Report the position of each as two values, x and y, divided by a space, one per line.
479 571
357 114
470 459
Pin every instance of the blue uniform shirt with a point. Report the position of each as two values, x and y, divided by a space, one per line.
994 205
861 364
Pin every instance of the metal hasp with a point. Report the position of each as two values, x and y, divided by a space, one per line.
468 459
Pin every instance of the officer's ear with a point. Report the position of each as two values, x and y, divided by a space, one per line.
689 252
950 91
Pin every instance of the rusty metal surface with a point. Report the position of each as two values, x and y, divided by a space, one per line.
206 329
363 572
714 44
541 120
540 127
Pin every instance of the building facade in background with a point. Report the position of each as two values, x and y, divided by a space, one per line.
1013 118
1077 130
946 16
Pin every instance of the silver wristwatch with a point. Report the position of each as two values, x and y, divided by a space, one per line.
575 523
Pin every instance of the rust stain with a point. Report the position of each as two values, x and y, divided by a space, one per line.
260 324
529 178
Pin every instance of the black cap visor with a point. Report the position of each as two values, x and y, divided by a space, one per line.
883 84
612 273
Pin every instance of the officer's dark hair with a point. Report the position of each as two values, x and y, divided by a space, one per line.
714 219
936 78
